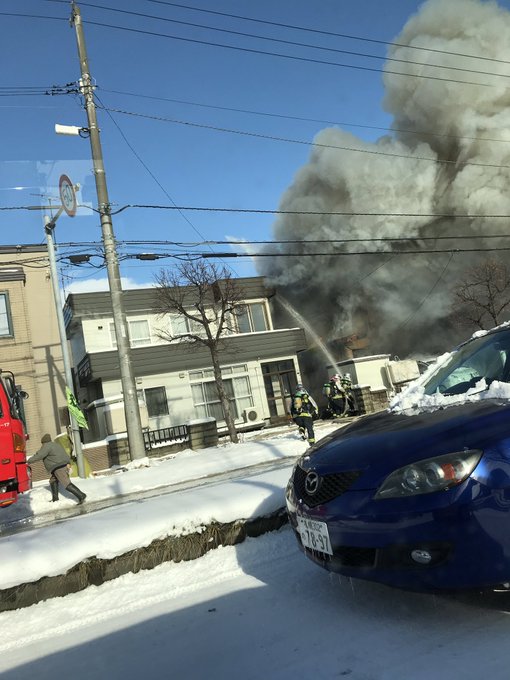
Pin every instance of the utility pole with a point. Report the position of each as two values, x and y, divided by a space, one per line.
49 226
131 408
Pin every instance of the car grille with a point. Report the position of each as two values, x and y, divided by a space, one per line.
330 486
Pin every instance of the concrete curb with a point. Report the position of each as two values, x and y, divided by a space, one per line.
95 571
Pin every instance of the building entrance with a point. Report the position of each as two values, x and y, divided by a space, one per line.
279 381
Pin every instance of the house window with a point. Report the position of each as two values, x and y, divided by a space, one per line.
139 333
157 402
181 325
178 325
205 394
242 392
252 318
5 316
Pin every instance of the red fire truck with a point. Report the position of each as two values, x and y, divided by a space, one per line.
15 474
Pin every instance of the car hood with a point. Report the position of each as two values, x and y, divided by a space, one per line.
382 442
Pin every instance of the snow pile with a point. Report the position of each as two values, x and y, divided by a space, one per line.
415 400
53 550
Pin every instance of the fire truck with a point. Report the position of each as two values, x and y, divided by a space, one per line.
15 474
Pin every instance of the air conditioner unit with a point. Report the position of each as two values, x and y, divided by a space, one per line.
250 415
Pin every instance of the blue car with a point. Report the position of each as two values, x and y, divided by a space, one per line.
417 496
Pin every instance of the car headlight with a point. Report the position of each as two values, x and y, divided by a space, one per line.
432 474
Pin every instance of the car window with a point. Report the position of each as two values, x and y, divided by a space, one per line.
486 357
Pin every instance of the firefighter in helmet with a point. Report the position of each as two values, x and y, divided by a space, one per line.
336 396
303 411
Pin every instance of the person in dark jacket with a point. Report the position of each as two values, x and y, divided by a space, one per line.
303 410
56 460
339 395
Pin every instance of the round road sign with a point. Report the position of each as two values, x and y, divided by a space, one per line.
67 195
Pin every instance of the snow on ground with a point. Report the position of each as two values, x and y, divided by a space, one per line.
53 550
253 611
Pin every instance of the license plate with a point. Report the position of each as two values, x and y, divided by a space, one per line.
314 535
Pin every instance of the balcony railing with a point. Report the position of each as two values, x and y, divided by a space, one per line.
166 435
84 371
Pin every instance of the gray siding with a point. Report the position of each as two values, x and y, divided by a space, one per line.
172 358
141 300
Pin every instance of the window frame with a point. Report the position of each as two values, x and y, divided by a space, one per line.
232 376
8 315
247 316
162 390
113 339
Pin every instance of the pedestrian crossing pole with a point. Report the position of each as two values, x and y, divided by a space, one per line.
131 407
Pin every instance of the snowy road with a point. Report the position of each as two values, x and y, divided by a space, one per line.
257 610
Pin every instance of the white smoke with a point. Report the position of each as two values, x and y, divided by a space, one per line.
389 296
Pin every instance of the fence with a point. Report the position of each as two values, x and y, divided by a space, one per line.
166 435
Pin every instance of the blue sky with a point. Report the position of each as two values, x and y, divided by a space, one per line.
189 165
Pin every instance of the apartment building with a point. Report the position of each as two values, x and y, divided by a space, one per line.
29 338
176 384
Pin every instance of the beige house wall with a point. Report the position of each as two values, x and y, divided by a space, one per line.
33 353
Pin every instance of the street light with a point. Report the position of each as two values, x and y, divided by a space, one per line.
71 130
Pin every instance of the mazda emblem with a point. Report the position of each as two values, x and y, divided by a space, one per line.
312 483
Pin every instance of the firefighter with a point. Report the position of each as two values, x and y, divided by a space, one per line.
303 411
346 382
336 396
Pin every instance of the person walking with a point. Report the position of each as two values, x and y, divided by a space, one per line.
56 462
303 410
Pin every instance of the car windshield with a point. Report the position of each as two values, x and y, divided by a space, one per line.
485 357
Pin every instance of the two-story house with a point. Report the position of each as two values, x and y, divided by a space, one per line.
259 362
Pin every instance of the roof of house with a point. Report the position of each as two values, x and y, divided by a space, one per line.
142 300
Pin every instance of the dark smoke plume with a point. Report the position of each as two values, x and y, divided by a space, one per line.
402 303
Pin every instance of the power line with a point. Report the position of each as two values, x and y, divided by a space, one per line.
146 167
427 296
33 91
249 50
383 239
322 32
260 211
340 213
33 16
142 162
288 140
301 118
295 254
315 30
279 55
229 242
336 253
290 42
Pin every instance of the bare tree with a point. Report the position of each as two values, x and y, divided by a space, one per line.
482 298
210 299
